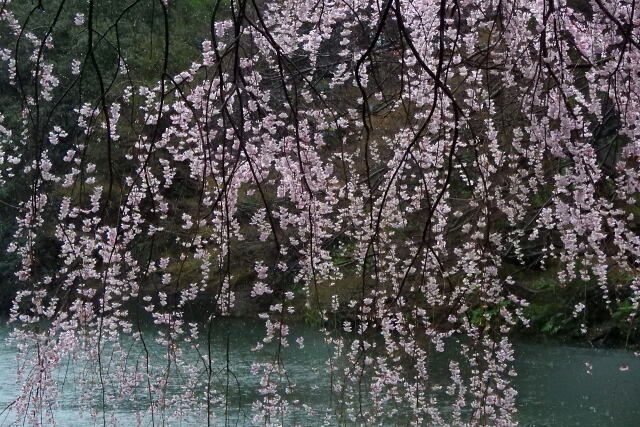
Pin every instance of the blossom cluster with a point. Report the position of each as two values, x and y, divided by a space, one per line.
382 165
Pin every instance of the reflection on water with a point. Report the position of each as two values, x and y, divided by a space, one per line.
557 385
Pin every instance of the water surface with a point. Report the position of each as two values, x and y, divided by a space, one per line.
558 385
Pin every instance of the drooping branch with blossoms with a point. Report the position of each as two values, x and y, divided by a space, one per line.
379 167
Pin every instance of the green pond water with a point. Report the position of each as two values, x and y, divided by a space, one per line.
553 383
